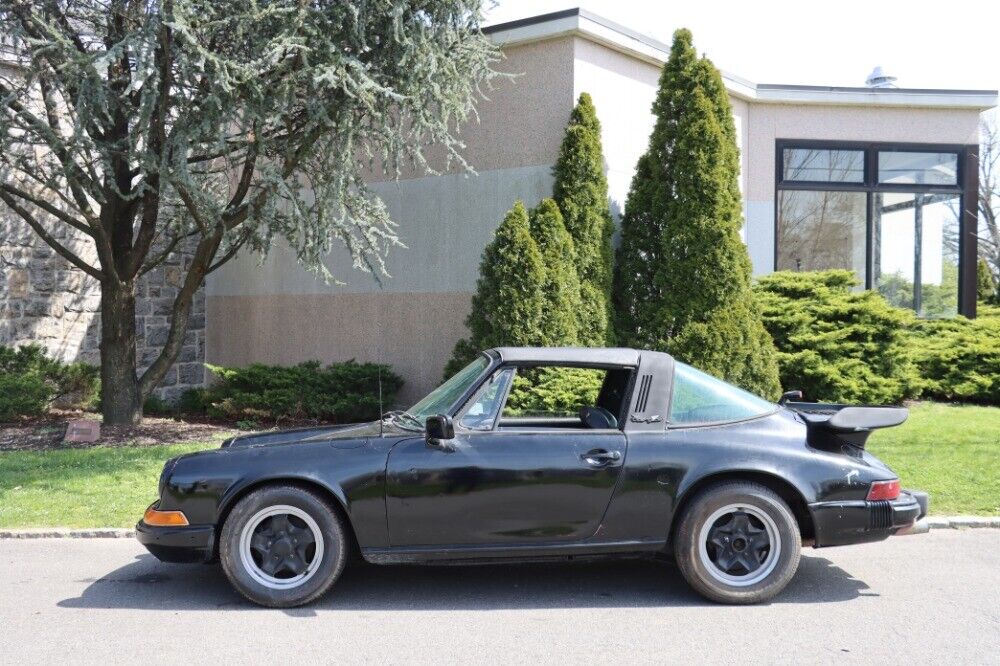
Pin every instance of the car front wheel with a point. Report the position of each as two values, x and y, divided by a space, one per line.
738 543
282 546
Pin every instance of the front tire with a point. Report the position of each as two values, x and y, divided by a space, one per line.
738 543
282 546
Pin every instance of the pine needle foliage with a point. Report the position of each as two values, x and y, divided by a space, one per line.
560 285
581 191
682 271
508 306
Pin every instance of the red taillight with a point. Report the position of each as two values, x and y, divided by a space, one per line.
884 490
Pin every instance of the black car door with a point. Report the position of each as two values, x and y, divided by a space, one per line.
502 486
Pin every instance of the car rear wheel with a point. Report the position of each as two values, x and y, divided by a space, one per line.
282 546
738 543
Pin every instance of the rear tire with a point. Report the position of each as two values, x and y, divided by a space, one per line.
282 546
738 543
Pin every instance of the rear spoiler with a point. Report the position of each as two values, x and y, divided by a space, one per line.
835 425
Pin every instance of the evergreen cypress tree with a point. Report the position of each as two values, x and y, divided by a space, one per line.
581 191
683 278
561 287
508 305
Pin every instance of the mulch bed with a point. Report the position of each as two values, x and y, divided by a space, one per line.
46 433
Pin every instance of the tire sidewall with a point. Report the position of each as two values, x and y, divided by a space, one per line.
329 568
686 547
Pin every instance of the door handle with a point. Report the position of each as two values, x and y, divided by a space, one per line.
600 457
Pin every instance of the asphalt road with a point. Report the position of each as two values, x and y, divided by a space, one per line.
923 598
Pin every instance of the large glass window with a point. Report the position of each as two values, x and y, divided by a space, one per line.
822 165
701 398
916 258
917 168
818 230
889 213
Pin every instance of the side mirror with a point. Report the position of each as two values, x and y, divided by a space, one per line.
790 395
440 428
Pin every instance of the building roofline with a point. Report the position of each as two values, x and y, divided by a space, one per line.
596 28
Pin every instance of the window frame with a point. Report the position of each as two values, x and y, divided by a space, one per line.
495 428
870 186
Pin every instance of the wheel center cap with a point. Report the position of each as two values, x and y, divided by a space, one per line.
282 547
739 543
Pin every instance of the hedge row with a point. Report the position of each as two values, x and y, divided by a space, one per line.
840 344
338 393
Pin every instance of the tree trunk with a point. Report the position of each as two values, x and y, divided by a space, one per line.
121 402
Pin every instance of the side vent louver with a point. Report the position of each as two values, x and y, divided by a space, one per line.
644 385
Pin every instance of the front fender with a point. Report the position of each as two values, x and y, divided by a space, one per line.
205 486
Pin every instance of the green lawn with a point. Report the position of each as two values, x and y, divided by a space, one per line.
951 452
98 487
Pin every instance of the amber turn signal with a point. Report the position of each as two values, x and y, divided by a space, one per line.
154 516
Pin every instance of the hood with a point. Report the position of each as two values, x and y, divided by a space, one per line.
331 432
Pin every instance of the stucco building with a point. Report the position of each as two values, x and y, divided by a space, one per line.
879 180
832 177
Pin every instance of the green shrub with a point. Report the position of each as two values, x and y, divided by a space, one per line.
193 401
836 343
581 190
23 395
31 382
959 358
556 390
682 273
339 393
154 405
509 303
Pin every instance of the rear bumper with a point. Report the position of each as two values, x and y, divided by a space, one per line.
860 521
193 543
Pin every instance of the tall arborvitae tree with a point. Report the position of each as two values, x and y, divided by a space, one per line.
508 305
581 190
561 287
683 281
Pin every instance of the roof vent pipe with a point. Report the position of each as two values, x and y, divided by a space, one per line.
879 79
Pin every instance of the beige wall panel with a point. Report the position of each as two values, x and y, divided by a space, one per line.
414 333
846 123
522 121
623 89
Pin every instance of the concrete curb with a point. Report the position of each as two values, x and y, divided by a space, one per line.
954 523
63 533
921 527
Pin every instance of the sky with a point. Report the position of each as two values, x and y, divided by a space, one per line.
836 42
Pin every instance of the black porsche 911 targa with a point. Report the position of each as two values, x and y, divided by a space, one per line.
660 460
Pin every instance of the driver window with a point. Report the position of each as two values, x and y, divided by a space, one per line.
483 410
553 392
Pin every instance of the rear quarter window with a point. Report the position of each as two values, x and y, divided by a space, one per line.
701 398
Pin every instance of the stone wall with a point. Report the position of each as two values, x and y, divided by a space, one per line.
45 300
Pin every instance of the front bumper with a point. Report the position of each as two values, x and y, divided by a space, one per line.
192 543
861 521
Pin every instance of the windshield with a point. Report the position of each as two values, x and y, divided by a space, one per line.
444 396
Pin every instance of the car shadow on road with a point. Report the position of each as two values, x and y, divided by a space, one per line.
148 584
